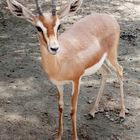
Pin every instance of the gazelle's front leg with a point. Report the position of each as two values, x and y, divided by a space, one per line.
120 77
60 107
74 107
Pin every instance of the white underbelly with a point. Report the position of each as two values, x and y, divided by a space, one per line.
95 67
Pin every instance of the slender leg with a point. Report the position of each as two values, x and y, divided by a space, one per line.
104 72
119 71
74 107
60 104
120 77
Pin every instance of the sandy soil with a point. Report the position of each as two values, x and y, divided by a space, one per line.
28 101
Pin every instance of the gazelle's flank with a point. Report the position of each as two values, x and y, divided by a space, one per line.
79 51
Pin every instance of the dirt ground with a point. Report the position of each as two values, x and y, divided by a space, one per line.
28 101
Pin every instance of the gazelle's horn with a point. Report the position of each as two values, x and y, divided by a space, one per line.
53 7
38 8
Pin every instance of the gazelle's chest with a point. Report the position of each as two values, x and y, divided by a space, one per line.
95 67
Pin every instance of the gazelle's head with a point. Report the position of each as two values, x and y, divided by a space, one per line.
47 24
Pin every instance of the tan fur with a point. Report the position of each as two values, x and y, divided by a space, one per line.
82 47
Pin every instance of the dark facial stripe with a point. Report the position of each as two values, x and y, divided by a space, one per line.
44 38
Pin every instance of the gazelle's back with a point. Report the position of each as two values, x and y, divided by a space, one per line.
99 25
88 36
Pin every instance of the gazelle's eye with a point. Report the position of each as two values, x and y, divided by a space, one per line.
59 27
39 29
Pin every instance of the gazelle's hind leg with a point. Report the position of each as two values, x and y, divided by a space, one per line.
113 63
104 71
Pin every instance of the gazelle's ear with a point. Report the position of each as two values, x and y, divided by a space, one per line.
71 7
20 11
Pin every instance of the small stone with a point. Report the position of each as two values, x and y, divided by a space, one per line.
116 85
89 86
85 115
89 101
107 115
126 111
101 110
66 104
112 119
65 115
8 102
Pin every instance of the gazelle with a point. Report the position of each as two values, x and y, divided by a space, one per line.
79 51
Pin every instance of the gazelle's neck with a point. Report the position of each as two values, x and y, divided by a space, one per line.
49 62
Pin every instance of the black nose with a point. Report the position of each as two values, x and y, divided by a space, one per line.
54 49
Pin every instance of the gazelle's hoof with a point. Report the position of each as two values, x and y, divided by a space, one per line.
90 116
92 113
58 137
122 114
75 138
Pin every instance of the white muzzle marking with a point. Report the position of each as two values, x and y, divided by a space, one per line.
53 46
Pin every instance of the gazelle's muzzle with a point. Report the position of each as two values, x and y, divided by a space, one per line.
53 46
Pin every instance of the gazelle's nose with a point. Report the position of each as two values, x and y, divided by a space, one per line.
54 49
